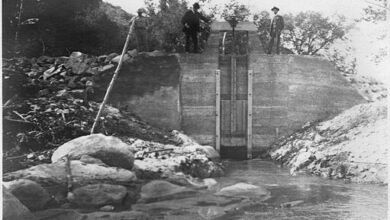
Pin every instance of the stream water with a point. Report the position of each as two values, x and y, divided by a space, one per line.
291 197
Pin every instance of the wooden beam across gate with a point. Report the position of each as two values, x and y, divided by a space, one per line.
218 110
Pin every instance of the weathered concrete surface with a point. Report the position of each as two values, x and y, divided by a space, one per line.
149 87
289 90
178 92
197 94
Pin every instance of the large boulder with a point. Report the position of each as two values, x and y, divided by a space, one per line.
111 150
183 139
79 62
209 151
189 145
30 193
158 190
154 168
82 173
196 165
97 195
13 209
244 190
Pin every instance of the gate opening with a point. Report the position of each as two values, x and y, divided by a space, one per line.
234 96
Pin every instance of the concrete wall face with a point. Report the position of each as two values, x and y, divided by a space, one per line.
179 92
149 86
290 90
197 92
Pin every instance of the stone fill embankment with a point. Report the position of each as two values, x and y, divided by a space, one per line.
351 146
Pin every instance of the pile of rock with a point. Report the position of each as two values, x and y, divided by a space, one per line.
48 105
352 146
371 89
58 75
101 173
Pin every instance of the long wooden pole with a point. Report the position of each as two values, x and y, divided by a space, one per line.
110 86
19 21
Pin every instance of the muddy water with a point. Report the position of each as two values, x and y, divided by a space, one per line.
291 197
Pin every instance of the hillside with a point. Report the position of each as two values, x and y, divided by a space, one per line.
351 146
93 27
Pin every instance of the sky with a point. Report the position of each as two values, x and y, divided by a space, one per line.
350 8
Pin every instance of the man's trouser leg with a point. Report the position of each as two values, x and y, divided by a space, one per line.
187 41
271 44
145 42
278 44
140 40
194 36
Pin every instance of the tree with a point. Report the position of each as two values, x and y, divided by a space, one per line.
263 23
237 10
166 28
376 11
307 33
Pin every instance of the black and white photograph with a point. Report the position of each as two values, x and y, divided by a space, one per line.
195 109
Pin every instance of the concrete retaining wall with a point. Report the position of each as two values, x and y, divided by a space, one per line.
178 92
149 86
289 90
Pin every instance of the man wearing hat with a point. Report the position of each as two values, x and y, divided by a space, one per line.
140 28
277 26
191 23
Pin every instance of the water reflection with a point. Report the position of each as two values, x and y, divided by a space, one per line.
292 197
322 198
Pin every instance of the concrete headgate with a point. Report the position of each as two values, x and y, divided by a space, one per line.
238 103
242 102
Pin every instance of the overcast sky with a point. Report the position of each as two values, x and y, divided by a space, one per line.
350 8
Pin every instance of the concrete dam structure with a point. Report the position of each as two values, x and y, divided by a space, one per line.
240 103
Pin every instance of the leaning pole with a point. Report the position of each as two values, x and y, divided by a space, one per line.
111 85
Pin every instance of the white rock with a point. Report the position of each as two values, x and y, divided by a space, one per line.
111 150
51 174
243 190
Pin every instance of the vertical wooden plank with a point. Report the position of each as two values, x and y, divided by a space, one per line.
249 123
218 110
233 94
225 118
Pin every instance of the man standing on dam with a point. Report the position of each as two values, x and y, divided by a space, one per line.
141 24
277 26
191 23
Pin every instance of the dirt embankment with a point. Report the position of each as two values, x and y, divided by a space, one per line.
352 146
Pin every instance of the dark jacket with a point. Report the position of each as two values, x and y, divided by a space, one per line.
277 25
193 20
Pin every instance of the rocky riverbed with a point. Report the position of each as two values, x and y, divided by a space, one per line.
98 172
51 160
253 189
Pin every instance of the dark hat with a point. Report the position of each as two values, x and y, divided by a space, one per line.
141 10
196 5
274 8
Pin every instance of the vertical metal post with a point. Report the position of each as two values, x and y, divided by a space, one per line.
250 102
218 110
